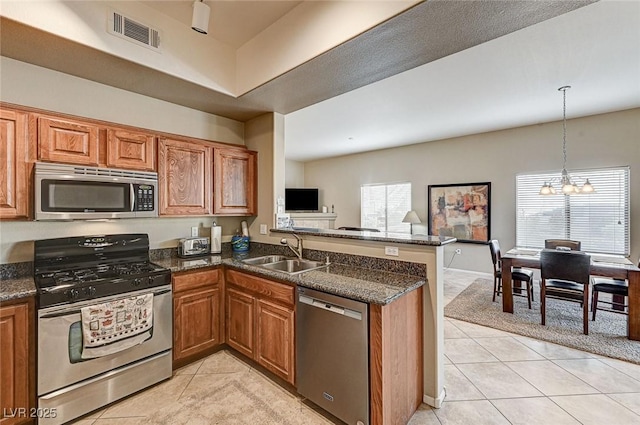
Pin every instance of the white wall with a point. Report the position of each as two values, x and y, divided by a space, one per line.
294 173
306 31
16 238
260 137
185 53
30 85
596 141
33 86
309 29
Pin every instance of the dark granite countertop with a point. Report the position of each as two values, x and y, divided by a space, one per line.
13 288
16 281
176 264
370 236
358 283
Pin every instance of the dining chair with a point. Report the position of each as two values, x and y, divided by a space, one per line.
565 243
613 287
565 276
517 274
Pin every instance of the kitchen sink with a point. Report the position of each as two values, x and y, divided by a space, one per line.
258 261
294 266
290 265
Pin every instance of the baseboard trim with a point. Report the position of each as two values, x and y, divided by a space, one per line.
435 402
490 275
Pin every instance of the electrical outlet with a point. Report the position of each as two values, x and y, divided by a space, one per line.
458 251
263 229
391 250
194 231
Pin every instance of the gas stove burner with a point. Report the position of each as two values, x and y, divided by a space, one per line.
103 268
68 270
85 275
63 277
134 268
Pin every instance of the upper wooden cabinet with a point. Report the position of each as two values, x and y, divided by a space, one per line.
196 177
67 141
235 182
14 164
184 175
131 150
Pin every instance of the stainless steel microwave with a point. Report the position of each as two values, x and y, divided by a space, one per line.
77 192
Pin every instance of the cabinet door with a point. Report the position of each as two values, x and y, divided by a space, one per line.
132 150
196 322
240 321
184 175
67 141
14 178
274 339
14 368
235 191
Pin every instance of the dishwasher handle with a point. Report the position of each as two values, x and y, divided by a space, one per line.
333 308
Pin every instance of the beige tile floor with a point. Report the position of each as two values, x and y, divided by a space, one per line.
492 377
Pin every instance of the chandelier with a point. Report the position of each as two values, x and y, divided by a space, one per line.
567 184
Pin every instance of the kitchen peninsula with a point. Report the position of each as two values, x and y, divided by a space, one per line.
404 297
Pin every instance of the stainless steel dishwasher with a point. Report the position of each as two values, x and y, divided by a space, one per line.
332 354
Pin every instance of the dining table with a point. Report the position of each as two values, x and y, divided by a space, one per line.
601 265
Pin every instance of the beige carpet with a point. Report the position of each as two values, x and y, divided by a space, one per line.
607 335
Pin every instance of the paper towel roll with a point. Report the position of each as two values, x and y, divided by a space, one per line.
245 228
216 239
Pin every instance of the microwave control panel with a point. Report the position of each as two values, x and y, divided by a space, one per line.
144 197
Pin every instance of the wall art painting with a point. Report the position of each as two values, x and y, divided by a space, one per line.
461 211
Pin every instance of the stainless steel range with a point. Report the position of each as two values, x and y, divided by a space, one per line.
104 322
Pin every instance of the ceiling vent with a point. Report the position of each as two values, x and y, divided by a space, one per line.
133 31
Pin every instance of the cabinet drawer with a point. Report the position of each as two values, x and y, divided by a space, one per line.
195 279
278 292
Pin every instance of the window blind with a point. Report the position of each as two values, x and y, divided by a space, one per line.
600 220
383 206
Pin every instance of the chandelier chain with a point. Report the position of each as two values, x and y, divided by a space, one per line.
564 126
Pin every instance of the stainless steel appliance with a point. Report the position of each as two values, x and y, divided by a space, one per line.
332 354
193 247
76 192
76 272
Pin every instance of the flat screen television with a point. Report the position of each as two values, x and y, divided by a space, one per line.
301 199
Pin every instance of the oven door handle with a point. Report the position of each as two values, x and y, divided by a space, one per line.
60 314
78 311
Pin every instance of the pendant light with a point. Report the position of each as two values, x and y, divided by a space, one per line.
567 184
200 18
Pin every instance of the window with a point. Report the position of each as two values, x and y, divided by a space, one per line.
383 206
599 220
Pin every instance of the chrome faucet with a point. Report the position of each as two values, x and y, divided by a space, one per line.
296 249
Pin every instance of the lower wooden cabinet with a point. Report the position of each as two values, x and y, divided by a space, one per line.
261 322
240 320
275 331
17 389
198 315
